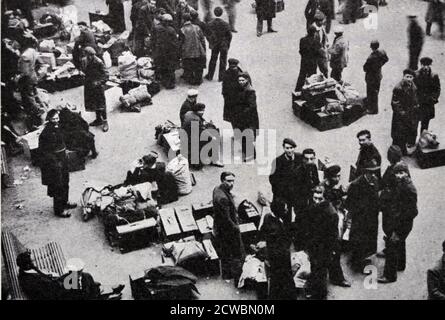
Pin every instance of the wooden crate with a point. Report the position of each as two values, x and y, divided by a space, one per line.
186 220
352 113
430 158
136 235
321 120
202 209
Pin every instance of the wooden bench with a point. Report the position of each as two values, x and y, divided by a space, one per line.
48 259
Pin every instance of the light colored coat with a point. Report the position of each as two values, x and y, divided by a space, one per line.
339 53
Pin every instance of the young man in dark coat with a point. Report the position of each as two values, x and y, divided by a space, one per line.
362 204
188 104
228 241
230 89
310 51
405 112
436 279
165 51
401 223
220 37
373 70
388 185
322 241
368 153
54 165
95 78
306 179
246 117
428 91
278 241
416 38
265 10
284 176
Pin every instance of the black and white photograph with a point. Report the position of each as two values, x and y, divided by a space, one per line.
243 152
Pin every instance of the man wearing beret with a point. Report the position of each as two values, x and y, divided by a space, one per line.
402 217
283 176
428 91
405 112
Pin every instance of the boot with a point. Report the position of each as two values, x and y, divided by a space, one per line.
428 28
105 126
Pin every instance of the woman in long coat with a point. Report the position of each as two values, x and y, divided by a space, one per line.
246 115
54 165
362 204
265 10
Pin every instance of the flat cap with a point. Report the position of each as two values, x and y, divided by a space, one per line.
426 61
233 61
289 141
167 17
332 170
192 93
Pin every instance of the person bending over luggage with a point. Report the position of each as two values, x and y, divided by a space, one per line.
146 169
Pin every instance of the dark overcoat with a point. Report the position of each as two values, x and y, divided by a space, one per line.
245 111
95 78
428 92
368 154
165 47
373 66
230 92
265 9
283 177
436 281
405 113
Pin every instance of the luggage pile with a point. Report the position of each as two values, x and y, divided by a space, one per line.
326 104
135 99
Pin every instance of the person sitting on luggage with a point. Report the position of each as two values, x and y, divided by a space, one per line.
146 169
187 105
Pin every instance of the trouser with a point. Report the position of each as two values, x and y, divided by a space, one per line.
328 24
60 200
322 64
414 55
372 96
231 12
259 25
396 253
248 148
307 68
424 124
167 77
222 53
336 73
317 284
335 270
101 115
207 6
192 70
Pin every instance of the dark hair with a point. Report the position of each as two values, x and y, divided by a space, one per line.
375 44
218 11
51 113
82 23
365 132
186 17
225 174
409 71
308 151
311 30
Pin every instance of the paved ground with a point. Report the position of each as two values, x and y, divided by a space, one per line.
273 62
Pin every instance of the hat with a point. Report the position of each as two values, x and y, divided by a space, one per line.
90 50
394 154
192 93
426 61
289 141
319 16
409 71
339 29
332 170
75 264
233 61
401 167
167 17
412 16
149 159
198 107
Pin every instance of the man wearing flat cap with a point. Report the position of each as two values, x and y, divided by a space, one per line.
401 221
362 205
428 91
405 112
338 52
94 92
284 174
230 89
188 104
416 38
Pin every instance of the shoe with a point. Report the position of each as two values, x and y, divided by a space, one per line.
272 31
208 77
234 31
105 126
258 34
401 268
70 205
95 123
94 155
64 214
343 283
344 22
385 280
218 164
118 289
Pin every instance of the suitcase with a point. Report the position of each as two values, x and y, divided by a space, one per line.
200 210
430 158
170 225
136 235
186 220
352 113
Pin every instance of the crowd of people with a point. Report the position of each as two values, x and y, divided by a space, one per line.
307 213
